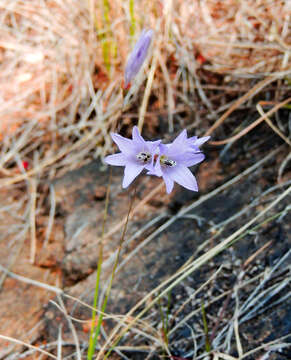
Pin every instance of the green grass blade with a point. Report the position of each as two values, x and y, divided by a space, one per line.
132 19
207 342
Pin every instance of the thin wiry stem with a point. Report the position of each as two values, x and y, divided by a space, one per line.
32 218
253 125
258 87
272 126
31 281
72 328
8 338
103 308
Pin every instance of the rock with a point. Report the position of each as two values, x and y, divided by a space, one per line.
21 304
164 254
80 195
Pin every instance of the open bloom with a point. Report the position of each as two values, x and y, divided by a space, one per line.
137 56
136 155
174 159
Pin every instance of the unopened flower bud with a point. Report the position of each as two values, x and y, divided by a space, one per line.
137 56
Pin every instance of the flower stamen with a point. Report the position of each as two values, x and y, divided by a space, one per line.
144 157
164 160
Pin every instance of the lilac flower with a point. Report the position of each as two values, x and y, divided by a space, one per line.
137 56
175 158
136 155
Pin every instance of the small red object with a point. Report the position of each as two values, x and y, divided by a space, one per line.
127 87
25 164
200 59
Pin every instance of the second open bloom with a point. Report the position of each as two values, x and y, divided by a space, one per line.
174 159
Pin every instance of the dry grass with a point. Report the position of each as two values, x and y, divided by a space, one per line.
246 38
62 67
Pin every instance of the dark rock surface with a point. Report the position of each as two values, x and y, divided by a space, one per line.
149 259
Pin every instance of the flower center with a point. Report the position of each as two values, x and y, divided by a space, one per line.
144 157
165 161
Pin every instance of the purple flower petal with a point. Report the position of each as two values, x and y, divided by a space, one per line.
116 159
131 171
164 149
195 141
137 56
136 137
201 141
183 176
152 145
180 139
191 140
177 148
169 183
189 159
156 170
124 144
